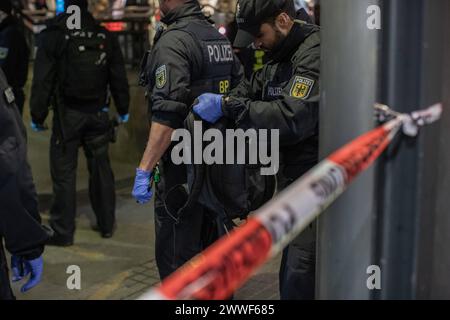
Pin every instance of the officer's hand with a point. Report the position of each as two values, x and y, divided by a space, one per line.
22 267
209 107
142 190
124 118
36 127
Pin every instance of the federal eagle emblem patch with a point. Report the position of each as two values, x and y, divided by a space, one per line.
161 77
301 88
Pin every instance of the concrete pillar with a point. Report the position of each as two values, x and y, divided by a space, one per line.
348 92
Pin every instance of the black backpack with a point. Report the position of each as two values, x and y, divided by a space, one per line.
230 191
85 68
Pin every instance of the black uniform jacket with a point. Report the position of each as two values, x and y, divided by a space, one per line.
284 95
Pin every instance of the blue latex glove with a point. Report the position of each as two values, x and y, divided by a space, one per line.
209 107
38 127
142 190
124 118
21 268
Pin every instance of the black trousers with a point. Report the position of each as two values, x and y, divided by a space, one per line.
178 239
298 264
5 287
92 132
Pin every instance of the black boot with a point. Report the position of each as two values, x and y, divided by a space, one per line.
59 241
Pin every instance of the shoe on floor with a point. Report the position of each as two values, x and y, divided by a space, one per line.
104 234
59 241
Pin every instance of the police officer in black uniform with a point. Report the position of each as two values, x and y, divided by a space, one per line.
19 216
283 95
73 71
14 52
189 58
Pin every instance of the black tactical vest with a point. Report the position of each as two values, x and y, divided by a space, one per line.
85 78
217 57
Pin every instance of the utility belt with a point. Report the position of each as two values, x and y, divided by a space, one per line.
60 120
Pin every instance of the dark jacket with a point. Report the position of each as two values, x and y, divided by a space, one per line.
183 60
14 53
284 95
19 217
50 55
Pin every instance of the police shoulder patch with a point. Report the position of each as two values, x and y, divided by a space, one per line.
161 77
9 95
301 88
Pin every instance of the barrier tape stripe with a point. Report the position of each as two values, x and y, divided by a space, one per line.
218 271
221 267
302 202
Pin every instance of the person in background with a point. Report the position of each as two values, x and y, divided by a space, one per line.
74 72
14 52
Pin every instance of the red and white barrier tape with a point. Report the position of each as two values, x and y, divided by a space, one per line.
218 271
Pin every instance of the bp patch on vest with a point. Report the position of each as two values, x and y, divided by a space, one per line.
3 52
161 77
301 88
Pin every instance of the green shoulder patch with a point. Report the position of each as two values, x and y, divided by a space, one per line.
161 77
301 88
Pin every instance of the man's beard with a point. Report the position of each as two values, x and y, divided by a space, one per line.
278 43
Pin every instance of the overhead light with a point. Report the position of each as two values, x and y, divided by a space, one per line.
222 30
